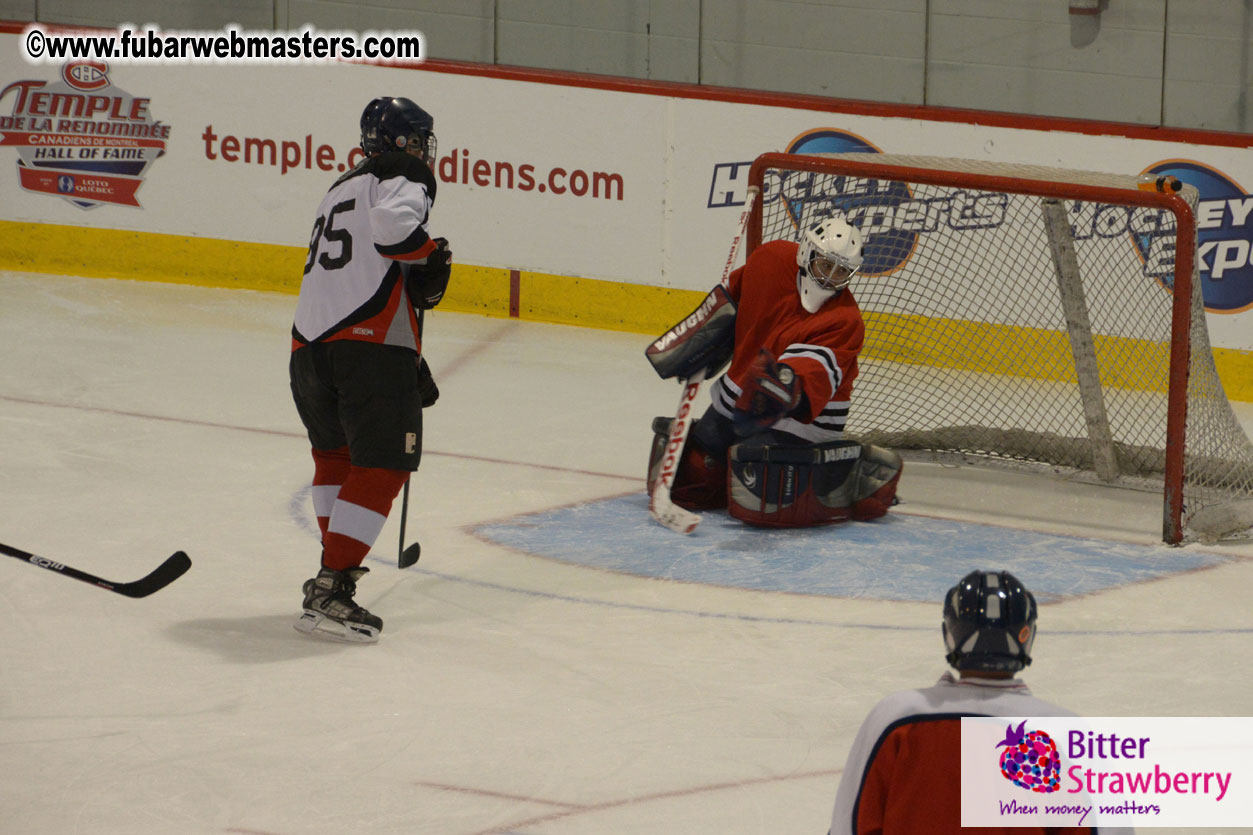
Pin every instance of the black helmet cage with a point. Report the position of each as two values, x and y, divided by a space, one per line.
397 124
989 623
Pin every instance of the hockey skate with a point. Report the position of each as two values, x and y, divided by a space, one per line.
331 612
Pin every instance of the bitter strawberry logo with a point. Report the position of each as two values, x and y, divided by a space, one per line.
1030 759
81 137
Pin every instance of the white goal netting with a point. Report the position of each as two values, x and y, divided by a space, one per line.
1022 313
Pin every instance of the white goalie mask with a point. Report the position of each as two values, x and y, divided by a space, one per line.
830 252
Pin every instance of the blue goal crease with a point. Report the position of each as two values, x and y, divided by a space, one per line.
897 558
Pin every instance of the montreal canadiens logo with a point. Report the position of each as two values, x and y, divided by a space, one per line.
86 75
1030 759
867 204
1224 234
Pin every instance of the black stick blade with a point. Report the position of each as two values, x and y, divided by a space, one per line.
410 555
175 566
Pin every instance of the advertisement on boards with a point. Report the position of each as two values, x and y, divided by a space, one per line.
242 151
635 186
1224 216
80 137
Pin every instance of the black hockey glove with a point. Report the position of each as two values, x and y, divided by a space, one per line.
428 392
426 283
771 391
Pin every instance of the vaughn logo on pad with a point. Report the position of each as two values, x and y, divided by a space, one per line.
81 137
1112 772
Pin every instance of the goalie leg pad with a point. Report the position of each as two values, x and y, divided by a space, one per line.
797 487
700 482
878 472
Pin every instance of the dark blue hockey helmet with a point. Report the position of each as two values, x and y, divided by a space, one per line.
397 124
989 623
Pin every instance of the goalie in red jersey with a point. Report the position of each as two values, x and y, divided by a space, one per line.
771 445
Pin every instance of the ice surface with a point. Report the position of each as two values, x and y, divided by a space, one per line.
517 688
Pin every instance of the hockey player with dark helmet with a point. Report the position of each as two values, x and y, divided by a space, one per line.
397 124
372 271
989 623
389 123
905 768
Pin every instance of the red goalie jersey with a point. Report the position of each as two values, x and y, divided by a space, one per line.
820 347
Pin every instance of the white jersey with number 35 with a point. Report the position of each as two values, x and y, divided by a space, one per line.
373 218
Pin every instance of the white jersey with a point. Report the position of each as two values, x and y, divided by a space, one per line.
931 718
373 218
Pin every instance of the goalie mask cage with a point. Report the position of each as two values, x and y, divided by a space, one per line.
1020 313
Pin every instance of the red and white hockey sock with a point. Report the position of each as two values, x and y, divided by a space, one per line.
358 515
330 469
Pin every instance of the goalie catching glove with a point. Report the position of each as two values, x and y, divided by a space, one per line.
426 282
771 391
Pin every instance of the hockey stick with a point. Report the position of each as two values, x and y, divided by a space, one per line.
660 505
406 557
175 566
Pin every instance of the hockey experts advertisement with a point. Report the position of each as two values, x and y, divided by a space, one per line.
536 175
1224 216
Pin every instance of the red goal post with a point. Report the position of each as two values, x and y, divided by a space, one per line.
1021 313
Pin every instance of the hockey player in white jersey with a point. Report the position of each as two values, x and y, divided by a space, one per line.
357 374
903 774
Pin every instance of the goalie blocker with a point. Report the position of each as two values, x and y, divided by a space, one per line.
704 339
783 486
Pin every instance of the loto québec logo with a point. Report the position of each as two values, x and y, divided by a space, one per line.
1030 759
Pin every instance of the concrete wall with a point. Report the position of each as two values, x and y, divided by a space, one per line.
1181 63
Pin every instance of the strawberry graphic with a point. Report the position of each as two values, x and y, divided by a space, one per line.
1030 759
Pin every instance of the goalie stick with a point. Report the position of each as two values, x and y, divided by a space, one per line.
175 566
660 505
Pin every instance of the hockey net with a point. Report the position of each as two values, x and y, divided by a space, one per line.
1020 313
